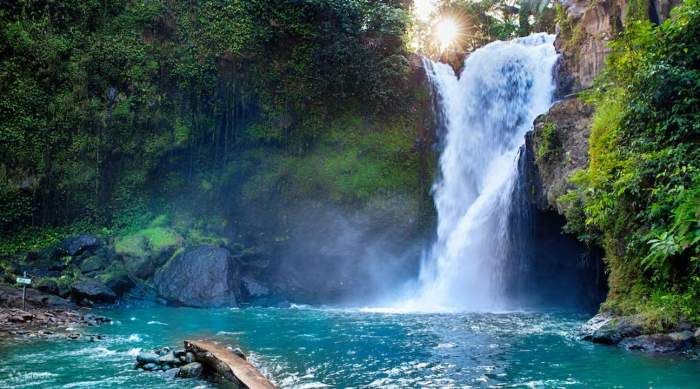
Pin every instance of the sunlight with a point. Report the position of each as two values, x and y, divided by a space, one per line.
447 31
423 9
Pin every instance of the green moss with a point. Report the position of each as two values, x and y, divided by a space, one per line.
135 245
149 240
160 238
550 144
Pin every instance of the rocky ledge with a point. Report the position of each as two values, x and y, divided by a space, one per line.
207 360
630 333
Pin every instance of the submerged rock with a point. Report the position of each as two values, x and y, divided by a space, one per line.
660 343
145 357
202 276
172 373
150 367
191 370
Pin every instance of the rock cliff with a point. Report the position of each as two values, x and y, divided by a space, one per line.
560 137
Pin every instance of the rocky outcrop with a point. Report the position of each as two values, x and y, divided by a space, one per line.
559 142
607 328
221 365
202 276
583 38
673 342
631 333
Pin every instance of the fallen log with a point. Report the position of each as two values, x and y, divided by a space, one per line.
221 365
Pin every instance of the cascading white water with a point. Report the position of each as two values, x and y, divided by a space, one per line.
486 113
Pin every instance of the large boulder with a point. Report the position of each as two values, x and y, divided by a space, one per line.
191 370
202 276
76 245
93 290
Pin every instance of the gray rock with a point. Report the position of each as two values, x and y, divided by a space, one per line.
696 335
171 373
141 267
92 264
191 370
253 288
78 244
189 357
169 359
202 276
660 343
145 357
93 290
150 367
118 280
607 328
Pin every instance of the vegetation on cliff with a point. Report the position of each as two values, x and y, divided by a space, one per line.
640 196
115 113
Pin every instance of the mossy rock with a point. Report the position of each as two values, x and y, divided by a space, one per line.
93 264
117 278
132 245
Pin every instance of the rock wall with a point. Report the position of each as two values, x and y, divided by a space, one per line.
560 137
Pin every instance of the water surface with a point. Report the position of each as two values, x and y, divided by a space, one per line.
304 347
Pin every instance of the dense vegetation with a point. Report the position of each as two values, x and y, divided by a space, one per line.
640 196
112 113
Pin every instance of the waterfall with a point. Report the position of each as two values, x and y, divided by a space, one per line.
485 113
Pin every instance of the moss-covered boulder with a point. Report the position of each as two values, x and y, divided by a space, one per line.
143 251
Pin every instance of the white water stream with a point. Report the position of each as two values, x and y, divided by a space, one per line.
485 112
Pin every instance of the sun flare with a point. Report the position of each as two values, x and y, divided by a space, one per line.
447 31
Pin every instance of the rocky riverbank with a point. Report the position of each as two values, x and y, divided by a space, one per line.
45 316
153 266
631 333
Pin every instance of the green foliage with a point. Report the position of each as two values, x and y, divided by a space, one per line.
641 191
351 163
550 143
111 112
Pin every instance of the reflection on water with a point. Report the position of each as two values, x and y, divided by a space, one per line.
304 347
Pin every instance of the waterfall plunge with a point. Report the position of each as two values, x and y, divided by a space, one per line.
486 113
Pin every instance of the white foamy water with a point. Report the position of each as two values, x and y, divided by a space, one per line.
486 112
